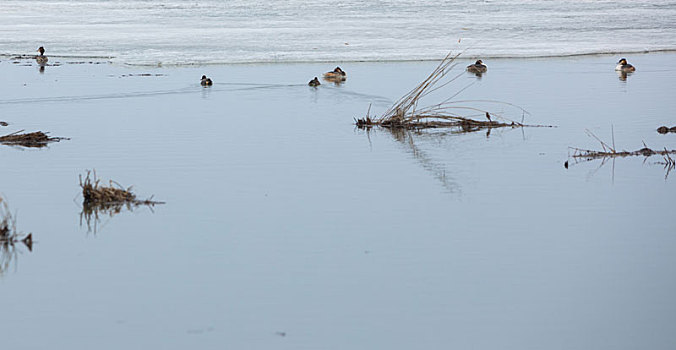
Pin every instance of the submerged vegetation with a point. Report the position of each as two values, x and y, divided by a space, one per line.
32 139
9 237
407 113
610 152
108 200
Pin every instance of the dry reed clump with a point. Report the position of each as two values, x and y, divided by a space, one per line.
96 194
31 139
109 200
406 112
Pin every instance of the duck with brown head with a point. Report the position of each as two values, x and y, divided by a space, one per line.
477 67
41 59
336 74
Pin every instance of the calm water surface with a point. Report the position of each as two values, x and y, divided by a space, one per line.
285 227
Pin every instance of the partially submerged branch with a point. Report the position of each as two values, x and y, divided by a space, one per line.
610 152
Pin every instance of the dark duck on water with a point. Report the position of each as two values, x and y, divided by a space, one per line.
206 81
41 59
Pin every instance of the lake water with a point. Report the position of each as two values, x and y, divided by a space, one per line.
286 227
213 31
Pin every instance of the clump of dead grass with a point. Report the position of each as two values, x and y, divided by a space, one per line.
450 113
108 200
32 139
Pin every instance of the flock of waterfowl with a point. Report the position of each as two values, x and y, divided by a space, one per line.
338 75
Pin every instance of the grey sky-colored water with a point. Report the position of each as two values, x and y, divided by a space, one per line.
286 227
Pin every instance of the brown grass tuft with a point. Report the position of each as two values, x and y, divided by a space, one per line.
109 200
31 139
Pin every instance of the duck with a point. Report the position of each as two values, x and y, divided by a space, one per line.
477 67
314 82
41 59
336 74
623 66
206 81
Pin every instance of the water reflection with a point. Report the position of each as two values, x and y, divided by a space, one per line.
623 75
92 214
408 138
335 81
477 74
10 239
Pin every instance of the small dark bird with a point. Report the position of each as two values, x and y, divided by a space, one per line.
41 59
477 67
565 165
206 81
314 82
488 116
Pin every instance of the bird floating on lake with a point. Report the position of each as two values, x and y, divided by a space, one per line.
623 66
206 81
477 67
41 59
336 74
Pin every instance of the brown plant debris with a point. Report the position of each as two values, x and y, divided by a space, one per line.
31 139
610 152
110 200
96 194
406 112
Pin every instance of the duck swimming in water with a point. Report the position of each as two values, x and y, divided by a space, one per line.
206 81
477 67
314 82
336 74
623 66
41 59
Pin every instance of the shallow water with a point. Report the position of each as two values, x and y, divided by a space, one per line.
213 31
287 227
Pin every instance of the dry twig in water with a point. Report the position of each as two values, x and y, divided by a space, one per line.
610 152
